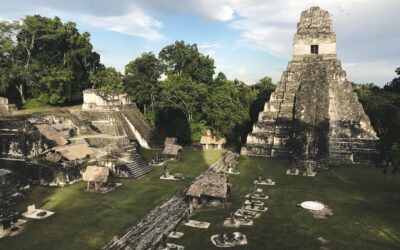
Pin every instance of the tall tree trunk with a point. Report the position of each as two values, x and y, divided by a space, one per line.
20 89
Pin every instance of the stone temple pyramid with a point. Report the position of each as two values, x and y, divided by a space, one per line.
313 113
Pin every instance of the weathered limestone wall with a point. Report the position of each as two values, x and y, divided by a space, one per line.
125 120
314 28
116 115
6 108
313 113
94 99
301 49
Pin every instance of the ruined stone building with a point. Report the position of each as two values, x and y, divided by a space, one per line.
313 113
5 107
116 115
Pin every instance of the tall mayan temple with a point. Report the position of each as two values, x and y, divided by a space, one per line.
313 113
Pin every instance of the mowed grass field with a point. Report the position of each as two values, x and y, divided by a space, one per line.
366 209
87 221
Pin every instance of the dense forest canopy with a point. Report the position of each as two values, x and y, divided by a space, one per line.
47 61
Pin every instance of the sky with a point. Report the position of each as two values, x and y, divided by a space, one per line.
248 39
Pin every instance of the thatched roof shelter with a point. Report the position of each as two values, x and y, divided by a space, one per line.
96 174
51 134
172 149
74 152
170 140
209 140
210 183
212 140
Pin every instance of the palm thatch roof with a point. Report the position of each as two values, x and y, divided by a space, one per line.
96 174
212 140
170 140
210 183
230 157
4 172
172 149
51 134
208 138
74 152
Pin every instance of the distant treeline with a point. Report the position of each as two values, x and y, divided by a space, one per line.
382 105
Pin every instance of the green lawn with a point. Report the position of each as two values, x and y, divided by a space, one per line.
87 221
365 209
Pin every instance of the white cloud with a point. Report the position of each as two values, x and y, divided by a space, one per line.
120 16
217 10
210 46
375 71
241 71
134 23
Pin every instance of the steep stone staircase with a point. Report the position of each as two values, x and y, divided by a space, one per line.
135 163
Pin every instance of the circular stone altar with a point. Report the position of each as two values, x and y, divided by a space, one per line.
312 205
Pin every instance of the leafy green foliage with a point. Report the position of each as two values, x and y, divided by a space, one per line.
184 94
141 81
46 59
382 105
224 108
108 80
185 59
394 86
189 88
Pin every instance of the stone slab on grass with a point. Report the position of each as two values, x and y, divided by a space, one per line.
265 182
229 244
256 209
257 196
310 174
227 223
238 222
289 172
34 214
170 178
175 235
257 203
173 246
249 214
197 224
10 231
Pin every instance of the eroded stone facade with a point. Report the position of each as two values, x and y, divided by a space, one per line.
313 113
